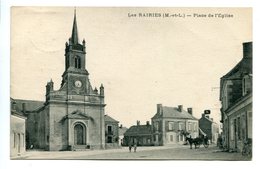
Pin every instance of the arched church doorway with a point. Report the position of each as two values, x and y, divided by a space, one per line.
79 134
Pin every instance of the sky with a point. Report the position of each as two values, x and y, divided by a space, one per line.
141 61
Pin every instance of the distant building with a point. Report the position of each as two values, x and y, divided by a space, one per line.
140 134
169 124
209 127
17 131
111 132
122 131
30 110
236 100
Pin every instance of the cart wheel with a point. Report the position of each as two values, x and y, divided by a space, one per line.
198 145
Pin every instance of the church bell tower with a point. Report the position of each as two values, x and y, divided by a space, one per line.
75 76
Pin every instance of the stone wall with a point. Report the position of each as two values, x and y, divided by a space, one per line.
17 136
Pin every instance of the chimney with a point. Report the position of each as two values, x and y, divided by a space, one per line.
189 110
159 108
206 111
138 123
13 105
121 126
147 123
247 49
180 108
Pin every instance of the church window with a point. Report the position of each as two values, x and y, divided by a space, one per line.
77 62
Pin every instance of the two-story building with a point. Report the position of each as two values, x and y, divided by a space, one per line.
111 132
209 127
169 124
236 99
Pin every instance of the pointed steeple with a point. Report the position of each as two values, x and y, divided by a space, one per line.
74 35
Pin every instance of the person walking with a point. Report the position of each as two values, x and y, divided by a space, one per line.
135 147
130 147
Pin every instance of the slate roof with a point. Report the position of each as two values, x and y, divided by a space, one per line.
31 105
208 119
173 112
122 130
139 130
237 72
107 118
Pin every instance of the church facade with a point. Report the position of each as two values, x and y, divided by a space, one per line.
72 117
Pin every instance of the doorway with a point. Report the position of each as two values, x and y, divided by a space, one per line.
79 135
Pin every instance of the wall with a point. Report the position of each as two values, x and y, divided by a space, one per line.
240 125
17 136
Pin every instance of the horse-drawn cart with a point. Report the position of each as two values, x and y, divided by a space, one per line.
198 141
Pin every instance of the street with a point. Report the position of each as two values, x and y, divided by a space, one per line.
175 152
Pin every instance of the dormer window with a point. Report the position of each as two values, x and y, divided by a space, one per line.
77 62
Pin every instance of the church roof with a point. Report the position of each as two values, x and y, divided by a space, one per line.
30 105
139 130
173 112
107 118
74 34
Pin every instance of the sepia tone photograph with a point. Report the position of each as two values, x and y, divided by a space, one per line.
131 83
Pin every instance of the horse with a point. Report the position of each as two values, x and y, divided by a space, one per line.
196 141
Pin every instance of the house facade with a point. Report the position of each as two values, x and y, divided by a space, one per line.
17 131
169 124
122 131
236 100
111 132
209 127
139 134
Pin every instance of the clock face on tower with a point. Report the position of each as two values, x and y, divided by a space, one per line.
78 83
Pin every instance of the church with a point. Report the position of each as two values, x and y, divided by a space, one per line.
72 117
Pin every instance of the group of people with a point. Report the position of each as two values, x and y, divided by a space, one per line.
130 147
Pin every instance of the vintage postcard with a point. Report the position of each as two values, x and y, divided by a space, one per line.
128 83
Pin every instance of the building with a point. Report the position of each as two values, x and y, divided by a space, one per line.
17 131
111 132
139 134
71 117
209 127
236 100
122 131
169 124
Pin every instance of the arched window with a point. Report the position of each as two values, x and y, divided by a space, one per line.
77 62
